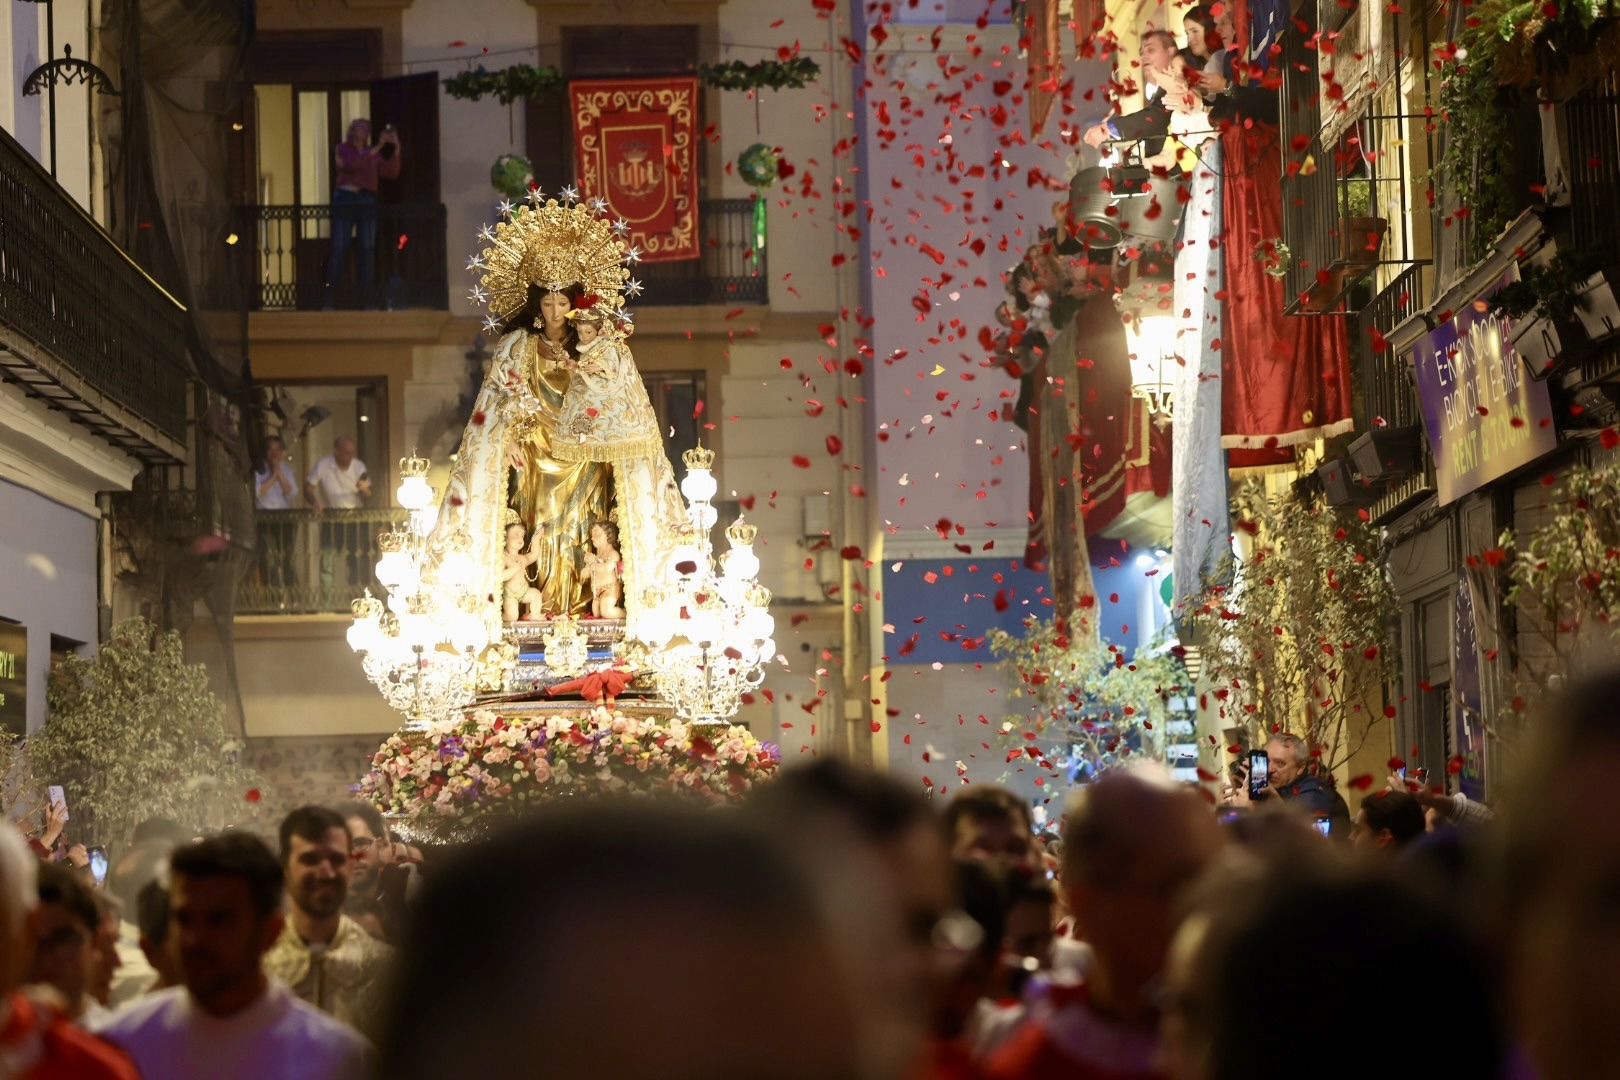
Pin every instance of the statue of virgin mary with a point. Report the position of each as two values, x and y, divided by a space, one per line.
542 262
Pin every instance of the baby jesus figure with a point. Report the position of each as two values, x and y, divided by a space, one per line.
516 592
605 572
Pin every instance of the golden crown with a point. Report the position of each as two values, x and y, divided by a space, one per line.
411 466
510 518
392 541
758 596
551 245
741 534
699 457
367 607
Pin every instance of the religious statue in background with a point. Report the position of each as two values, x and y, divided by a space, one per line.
563 438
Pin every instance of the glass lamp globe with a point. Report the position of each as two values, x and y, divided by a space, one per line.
467 632
414 493
740 563
699 485
733 590
364 635
393 569
759 624
702 625
656 625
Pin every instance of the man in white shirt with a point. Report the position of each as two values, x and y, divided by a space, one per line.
230 1018
339 482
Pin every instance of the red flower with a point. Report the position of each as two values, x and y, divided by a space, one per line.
254 795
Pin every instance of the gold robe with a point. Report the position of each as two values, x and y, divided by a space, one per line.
565 497
345 980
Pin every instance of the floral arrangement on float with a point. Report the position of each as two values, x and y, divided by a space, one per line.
450 780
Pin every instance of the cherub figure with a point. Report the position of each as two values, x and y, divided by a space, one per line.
605 571
516 592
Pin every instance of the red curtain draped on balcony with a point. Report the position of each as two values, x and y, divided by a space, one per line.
1285 380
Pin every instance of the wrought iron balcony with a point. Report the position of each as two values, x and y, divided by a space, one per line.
286 252
1391 454
730 271
82 326
310 563
1347 191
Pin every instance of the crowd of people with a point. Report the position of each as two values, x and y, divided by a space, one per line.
836 923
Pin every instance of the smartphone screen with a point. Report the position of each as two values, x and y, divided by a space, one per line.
58 796
1259 772
98 865
1323 826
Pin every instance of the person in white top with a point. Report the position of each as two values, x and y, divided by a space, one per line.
274 486
338 481
229 1018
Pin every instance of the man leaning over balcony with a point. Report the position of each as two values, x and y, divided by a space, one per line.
339 481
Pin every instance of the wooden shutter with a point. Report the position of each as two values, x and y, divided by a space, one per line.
411 104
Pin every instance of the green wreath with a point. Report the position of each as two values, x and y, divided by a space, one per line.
518 82
794 74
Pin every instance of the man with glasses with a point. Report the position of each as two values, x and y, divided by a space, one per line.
323 955
384 872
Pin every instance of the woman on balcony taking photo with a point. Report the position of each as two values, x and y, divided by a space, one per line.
358 166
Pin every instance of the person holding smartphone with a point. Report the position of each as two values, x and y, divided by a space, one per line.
1287 759
357 166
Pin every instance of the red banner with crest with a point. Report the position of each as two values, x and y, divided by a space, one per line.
634 143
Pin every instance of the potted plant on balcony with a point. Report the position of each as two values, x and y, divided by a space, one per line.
1554 296
1361 233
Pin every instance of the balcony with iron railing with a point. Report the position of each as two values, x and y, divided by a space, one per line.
284 254
82 327
1391 449
310 562
1348 190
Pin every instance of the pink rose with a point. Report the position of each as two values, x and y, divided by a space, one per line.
542 770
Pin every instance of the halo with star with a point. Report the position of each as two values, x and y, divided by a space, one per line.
553 245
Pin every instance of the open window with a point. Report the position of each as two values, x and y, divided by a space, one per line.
306 89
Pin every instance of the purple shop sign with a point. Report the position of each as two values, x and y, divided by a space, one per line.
1484 415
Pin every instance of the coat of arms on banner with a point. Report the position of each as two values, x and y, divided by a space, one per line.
633 146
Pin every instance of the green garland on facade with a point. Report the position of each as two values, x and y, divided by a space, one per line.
794 74
520 82
524 82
